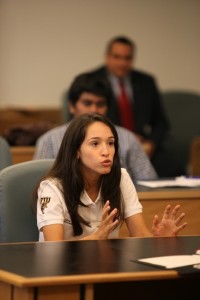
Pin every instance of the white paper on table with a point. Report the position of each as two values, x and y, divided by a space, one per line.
181 181
172 261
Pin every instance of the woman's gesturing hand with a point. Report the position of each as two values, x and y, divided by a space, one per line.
107 223
170 224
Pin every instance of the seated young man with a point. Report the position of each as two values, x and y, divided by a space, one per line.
89 94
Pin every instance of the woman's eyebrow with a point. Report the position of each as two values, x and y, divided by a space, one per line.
98 137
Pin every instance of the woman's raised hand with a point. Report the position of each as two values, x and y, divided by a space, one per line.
107 223
170 224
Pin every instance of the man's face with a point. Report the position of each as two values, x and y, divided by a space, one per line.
119 59
89 103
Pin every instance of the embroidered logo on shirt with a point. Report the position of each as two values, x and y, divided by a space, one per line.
67 221
44 201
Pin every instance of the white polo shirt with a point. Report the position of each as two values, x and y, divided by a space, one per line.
51 207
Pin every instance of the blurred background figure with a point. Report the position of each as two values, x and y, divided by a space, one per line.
89 94
135 102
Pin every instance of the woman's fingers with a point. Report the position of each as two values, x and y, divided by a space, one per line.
110 217
179 228
108 222
167 210
106 209
175 211
168 214
179 219
170 224
106 214
155 221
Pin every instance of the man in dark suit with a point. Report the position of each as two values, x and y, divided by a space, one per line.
143 114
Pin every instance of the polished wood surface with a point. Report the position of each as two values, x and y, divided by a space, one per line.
22 153
22 117
16 116
79 269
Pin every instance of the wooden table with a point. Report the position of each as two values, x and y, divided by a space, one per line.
87 270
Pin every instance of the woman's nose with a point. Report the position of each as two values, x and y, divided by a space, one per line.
105 150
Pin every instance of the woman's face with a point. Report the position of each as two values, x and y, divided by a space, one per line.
97 150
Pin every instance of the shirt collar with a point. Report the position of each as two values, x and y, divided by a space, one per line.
86 200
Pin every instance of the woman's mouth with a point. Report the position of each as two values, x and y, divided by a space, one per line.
106 163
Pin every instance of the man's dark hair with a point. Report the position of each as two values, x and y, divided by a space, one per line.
122 40
90 84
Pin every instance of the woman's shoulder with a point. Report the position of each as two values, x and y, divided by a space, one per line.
124 171
51 182
124 174
125 177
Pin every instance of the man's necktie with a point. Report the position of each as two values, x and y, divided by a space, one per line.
125 109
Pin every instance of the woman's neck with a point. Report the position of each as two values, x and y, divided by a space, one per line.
92 186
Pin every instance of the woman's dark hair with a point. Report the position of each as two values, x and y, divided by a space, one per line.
67 168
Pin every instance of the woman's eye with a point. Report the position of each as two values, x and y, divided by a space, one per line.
94 143
111 143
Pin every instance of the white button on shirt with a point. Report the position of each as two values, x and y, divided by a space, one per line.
55 211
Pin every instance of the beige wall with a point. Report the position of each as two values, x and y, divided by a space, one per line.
45 43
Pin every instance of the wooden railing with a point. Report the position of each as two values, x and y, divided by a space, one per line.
22 153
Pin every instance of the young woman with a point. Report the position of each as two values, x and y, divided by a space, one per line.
86 195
